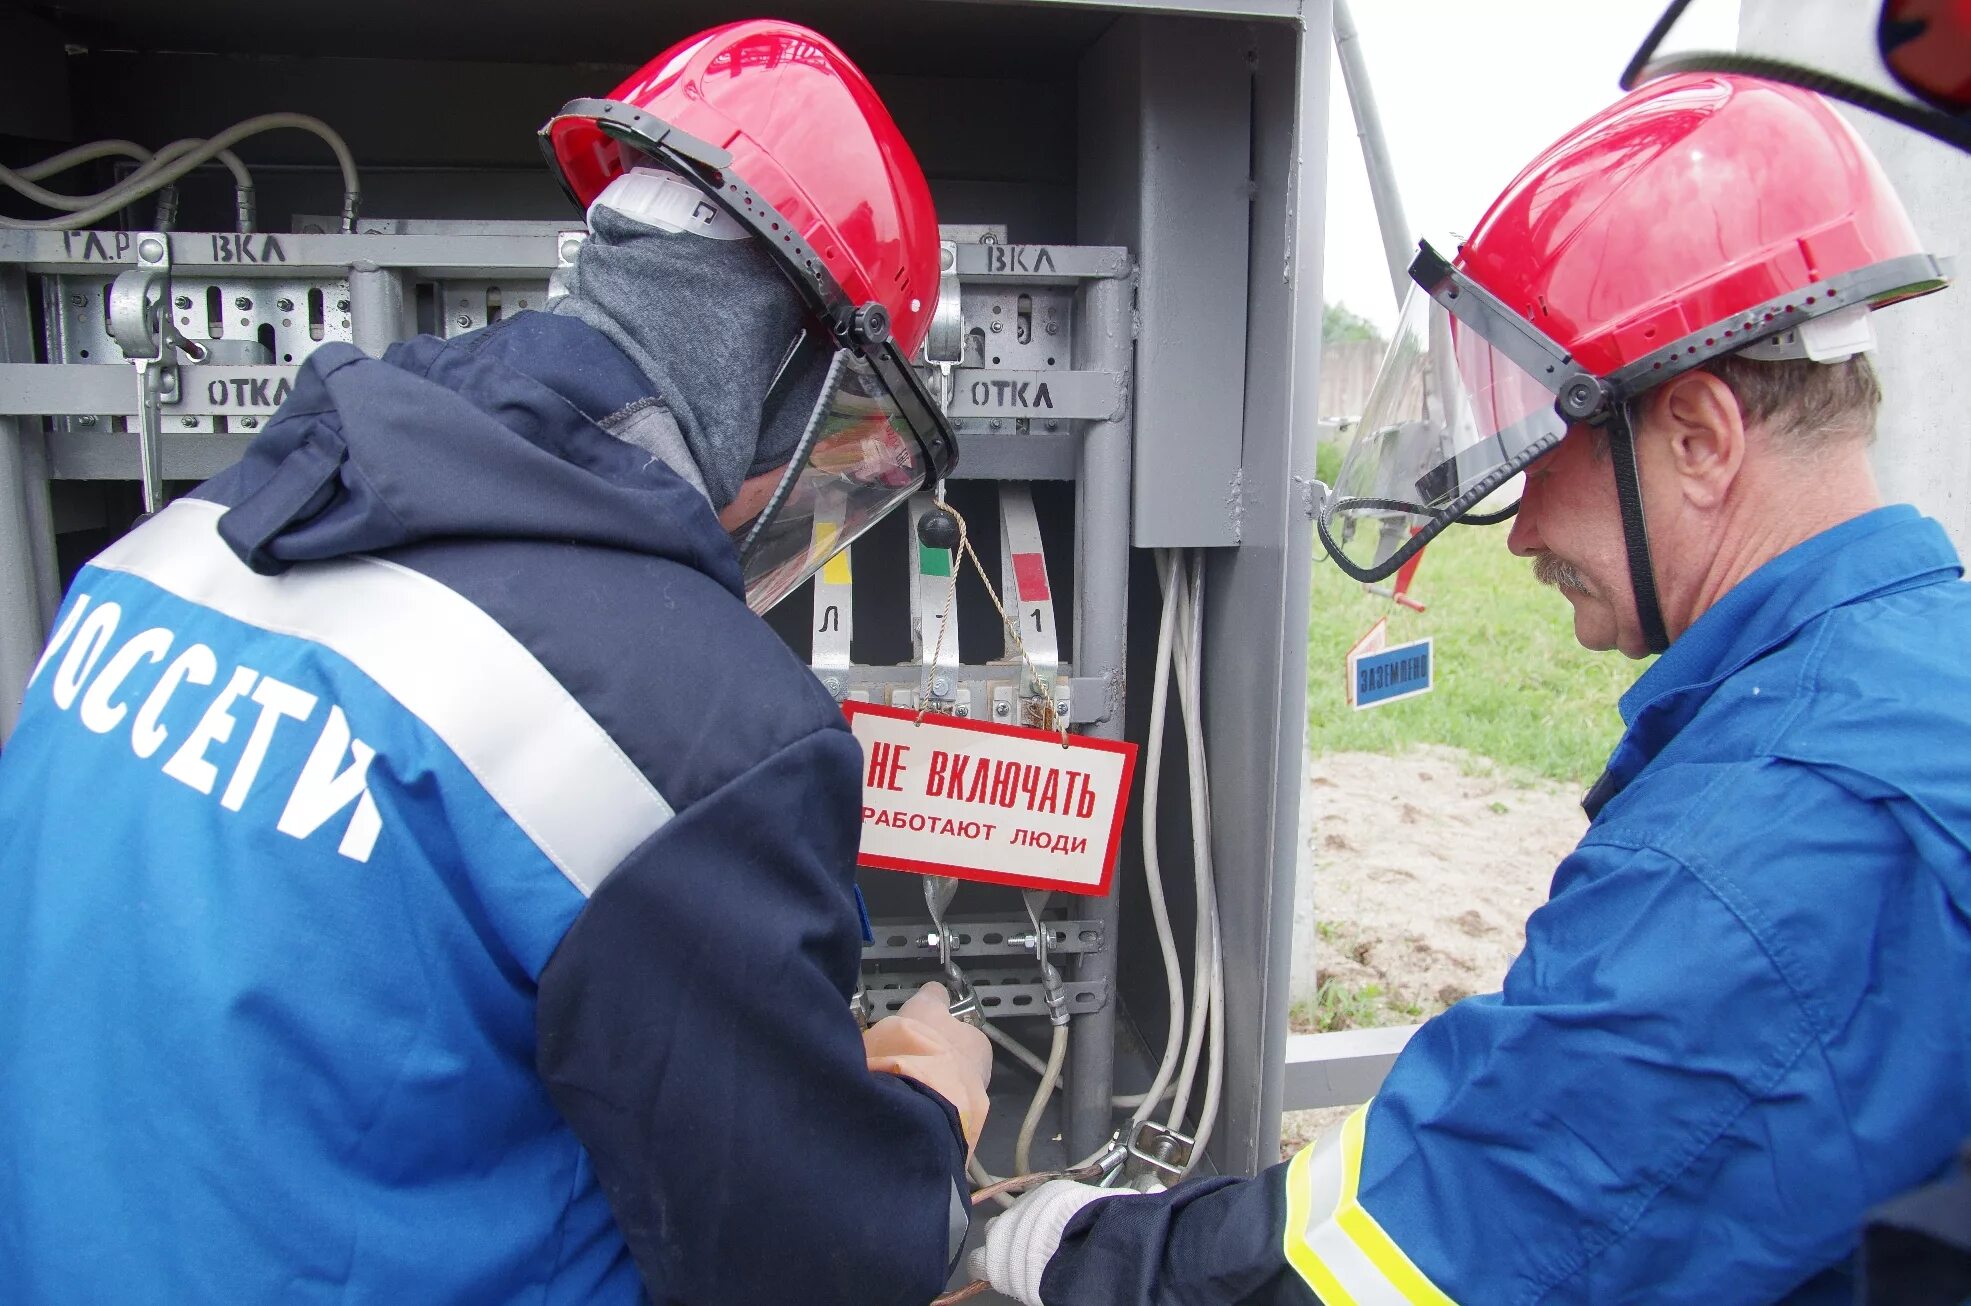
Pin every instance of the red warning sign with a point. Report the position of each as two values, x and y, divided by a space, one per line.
1001 804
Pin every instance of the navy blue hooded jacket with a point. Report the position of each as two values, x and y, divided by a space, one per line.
454 905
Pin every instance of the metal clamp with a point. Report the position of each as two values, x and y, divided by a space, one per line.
944 345
1051 984
143 330
939 890
1158 1158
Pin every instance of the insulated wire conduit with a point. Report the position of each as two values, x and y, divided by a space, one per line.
161 170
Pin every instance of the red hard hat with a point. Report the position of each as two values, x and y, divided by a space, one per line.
1697 216
808 134
1669 218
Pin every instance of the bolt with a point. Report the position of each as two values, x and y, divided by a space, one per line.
1061 708
342 306
1053 328
963 710
150 250
242 303
940 686
994 424
183 301
569 248
988 239
285 304
998 327
249 423
188 422
75 301
85 421
465 319
1001 710
833 684
947 257
1053 426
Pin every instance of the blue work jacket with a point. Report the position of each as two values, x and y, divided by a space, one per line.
422 880
1739 1022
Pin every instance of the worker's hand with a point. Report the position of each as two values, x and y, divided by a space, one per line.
1019 1244
925 1042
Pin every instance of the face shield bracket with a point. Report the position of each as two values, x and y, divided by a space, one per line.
1579 395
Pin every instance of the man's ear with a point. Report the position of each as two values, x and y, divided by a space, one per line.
1699 438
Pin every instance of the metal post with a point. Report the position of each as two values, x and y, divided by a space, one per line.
1398 241
376 307
1103 341
23 507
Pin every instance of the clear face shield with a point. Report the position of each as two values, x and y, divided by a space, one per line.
858 460
1449 424
1908 60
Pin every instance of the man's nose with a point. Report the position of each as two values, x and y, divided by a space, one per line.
1524 539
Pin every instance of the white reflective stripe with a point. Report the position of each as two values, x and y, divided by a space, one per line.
541 757
1332 1241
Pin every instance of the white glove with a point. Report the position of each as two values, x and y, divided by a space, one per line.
1019 1244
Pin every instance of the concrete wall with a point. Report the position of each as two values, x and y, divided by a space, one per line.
1924 454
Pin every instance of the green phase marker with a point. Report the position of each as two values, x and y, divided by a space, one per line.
934 562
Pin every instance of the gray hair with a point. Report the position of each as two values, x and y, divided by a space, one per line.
1806 406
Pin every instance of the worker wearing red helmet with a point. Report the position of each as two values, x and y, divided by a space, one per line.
474 919
1735 1025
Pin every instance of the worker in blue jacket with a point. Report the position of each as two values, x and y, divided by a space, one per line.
425 880
1739 1021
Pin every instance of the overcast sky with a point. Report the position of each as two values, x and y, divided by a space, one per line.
1470 91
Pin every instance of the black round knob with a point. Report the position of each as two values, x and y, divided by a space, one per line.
1580 398
871 323
937 529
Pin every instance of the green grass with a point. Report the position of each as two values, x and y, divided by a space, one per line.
1351 1006
1512 685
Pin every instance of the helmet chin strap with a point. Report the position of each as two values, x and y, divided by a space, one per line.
1635 529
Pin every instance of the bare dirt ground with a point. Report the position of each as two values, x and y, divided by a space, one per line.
1417 875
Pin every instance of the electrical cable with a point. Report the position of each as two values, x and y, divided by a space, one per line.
988 1183
160 172
1208 891
1208 956
1201 938
1215 1085
76 155
135 186
1019 1051
1057 1053
1152 869
1026 1056
1146 1103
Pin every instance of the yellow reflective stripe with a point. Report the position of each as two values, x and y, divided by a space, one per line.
1334 1244
1300 1200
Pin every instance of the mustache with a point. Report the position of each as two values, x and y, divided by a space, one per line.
1550 569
